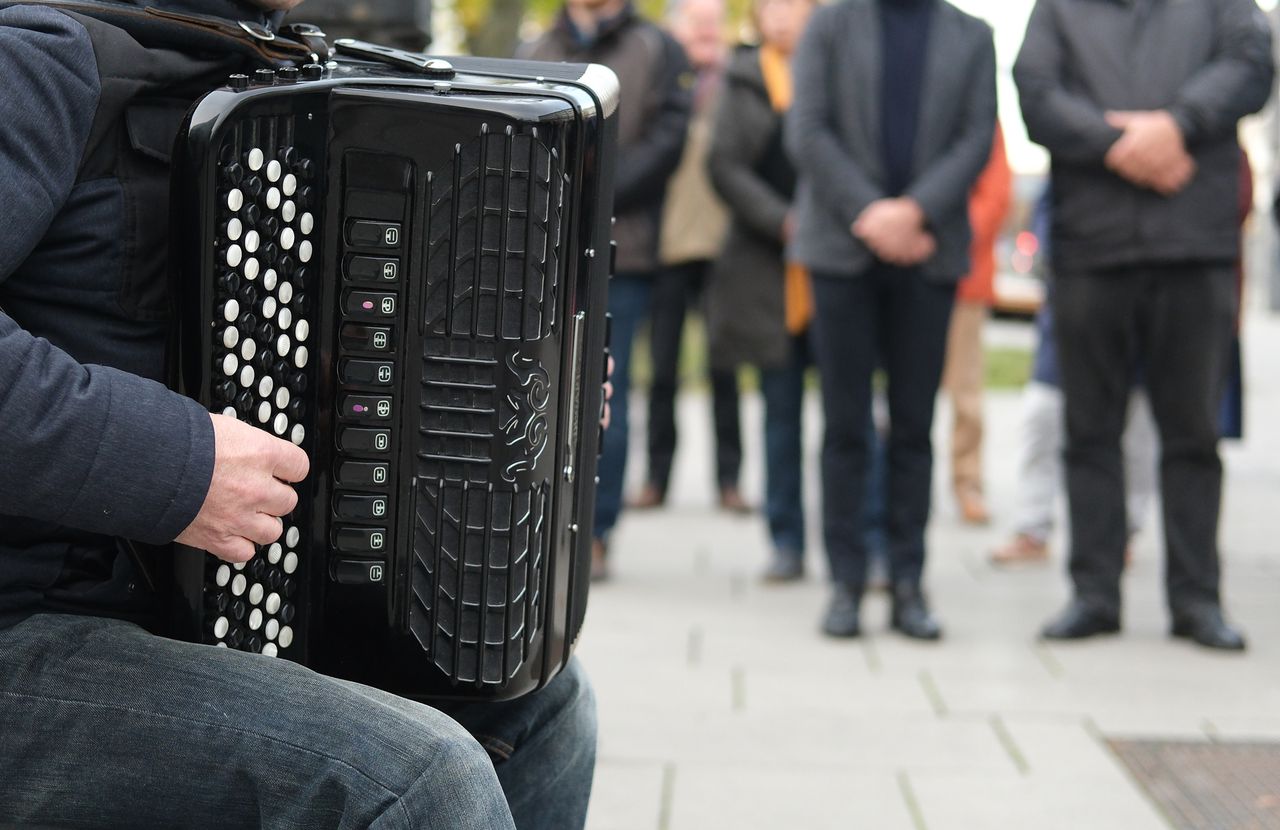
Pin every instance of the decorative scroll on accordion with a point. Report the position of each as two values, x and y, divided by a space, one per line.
401 266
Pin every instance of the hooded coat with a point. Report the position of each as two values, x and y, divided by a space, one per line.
93 446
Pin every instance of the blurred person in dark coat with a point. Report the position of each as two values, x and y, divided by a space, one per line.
1138 105
747 310
893 120
693 225
653 118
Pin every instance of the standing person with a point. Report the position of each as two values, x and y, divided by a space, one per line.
887 150
1145 183
654 75
747 310
693 226
104 723
963 374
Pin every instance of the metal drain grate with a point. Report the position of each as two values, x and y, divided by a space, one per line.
1209 786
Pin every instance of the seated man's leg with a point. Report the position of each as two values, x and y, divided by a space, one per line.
544 748
104 724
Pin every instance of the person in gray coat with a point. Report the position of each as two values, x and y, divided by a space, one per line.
1138 103
893 119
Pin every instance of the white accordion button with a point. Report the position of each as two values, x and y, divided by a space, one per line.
239 566
256 158
239 584
286 294
307 224
269 279
282 345
284 318
234 255
230 412
302 331
251 241
291 537
273 198
269 308
231 311
248 349
269 650
246 376
251 269
272 629
273 555
255 619
304 252
273 171
264 412
289 211
265 386
234 228
286 239
230 337
221 627
290 184
300 359
229 365
282 398
273 603
299 433
286 637
223 576
290 562
235 200
281 425
255 593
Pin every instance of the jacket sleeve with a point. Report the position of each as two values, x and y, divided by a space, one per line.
1237 80
83 446
1067 124
645 165
836 178
735 153
943 187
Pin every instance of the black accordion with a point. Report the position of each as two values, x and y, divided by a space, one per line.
400 264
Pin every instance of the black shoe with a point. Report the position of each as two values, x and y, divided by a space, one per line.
1079 621
842 614
784 566
911 615
1206 626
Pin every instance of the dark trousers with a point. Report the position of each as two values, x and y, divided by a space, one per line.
783 391
901 318
1177 321
675 290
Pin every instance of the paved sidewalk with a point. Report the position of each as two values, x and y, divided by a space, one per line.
722 707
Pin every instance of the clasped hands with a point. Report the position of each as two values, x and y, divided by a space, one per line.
894 230
1151 152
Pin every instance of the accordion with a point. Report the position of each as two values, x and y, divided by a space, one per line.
400 264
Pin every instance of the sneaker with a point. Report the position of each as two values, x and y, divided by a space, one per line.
1021 550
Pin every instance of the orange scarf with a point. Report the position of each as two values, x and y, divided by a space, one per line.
797 287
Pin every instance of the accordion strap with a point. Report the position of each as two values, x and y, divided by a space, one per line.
184 32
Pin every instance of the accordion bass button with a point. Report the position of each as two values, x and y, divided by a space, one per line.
288 75
312 72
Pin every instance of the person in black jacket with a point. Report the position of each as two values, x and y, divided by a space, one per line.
652 123
1138 104
105 723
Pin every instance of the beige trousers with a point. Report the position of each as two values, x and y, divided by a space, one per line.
963 378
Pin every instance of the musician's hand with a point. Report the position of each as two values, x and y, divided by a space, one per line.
248 493
608 393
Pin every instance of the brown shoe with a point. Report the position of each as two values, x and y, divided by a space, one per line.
650 497
1021 550
731 501
973 507
599 561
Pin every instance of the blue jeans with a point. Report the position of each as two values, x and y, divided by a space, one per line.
629 305
783 391
106 725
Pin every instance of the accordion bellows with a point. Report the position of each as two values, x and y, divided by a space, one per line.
405 272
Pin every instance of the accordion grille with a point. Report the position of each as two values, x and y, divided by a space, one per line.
493 262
